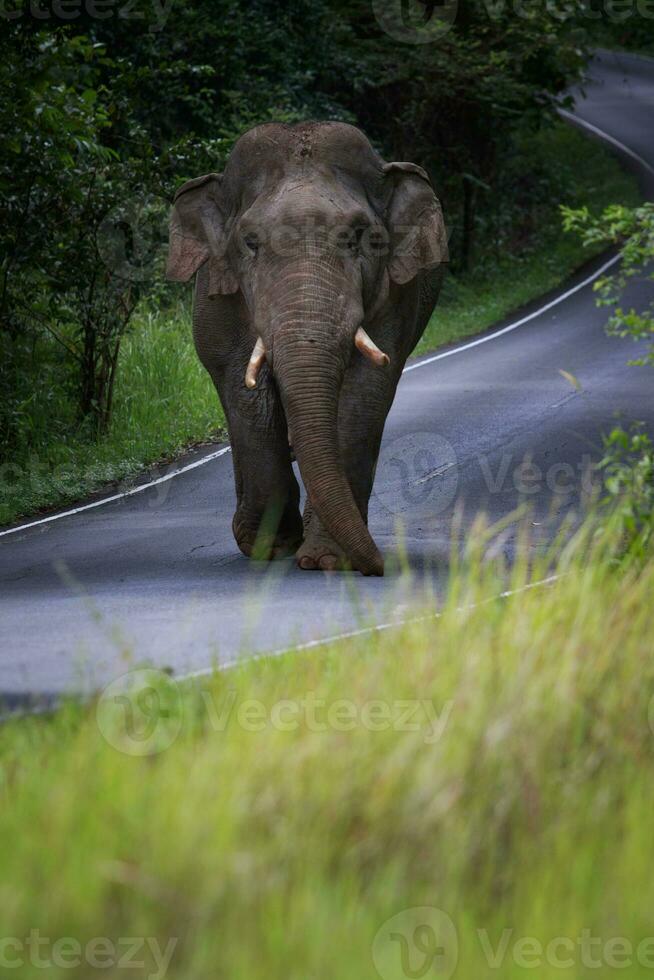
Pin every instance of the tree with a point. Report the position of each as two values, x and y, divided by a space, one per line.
58 185
458 104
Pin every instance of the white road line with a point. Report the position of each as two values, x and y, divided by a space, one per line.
310 645
605 136
411 367
518 323
119 496
351 634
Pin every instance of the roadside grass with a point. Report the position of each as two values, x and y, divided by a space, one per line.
495 764
165 401
509 278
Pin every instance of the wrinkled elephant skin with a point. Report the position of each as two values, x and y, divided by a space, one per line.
317 268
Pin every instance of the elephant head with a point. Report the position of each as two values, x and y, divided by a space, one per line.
317 232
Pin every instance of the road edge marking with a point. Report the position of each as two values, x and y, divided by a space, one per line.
54 700
518 323
118 496
609 139
352 634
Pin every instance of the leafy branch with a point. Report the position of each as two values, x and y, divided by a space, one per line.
632 229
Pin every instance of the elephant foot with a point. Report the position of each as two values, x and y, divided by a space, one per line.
319 552
263 544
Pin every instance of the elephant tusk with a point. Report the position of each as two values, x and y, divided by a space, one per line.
370 349
257 358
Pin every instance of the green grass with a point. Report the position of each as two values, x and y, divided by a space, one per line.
284 813
165 401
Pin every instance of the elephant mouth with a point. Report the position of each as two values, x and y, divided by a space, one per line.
362 342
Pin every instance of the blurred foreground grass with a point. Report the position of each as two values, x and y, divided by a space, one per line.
491 768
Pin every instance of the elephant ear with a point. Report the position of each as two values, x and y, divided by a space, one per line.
415 223
197 234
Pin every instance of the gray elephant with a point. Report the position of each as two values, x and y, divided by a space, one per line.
318 266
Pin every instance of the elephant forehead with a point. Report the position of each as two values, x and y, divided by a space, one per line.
267 154
321 197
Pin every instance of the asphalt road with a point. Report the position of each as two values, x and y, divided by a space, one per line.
156 577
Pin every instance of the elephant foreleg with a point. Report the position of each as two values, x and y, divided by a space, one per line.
267 521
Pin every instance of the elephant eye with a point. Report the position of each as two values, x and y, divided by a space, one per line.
252 243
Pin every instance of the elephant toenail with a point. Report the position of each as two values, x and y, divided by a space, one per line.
307 563
329 563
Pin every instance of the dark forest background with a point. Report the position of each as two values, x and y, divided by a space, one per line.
103 116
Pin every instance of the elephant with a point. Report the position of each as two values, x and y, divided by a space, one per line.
317 266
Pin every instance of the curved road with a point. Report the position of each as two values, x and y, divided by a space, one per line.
155 575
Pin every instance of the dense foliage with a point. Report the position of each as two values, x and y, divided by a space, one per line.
109 111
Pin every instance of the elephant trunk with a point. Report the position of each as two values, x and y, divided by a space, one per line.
311 348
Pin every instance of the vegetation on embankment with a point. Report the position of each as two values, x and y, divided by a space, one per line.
534 255
164 402
492 767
